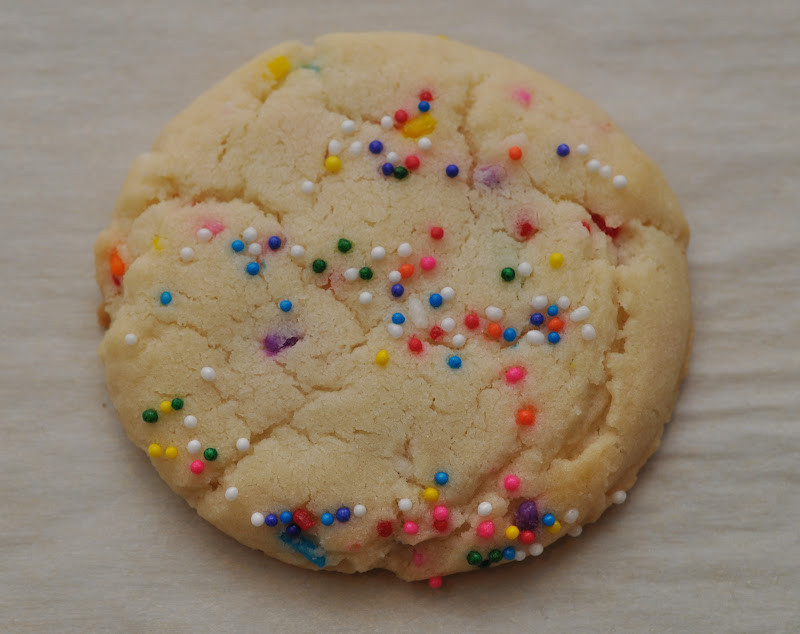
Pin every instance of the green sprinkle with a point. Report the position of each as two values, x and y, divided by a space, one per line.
177 403
210 454
495 555
344 245
507 274
318 266
474 558
149 416
365 273
400 172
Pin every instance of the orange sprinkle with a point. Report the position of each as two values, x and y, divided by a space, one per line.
494 331
116 264
515 153
526 416
406 270
555 324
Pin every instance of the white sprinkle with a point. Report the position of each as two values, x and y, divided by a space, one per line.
534 337
619 497
359 510
355 148
424 143
392 157
605 171
131 339
334 147
307 187
395 277
524 269
404 504
417 313
395 330
539 302
208 373
571 516
204 235
297 251
619 181
257 519
365 297
378 253
520 555
254 249
563 302
190 421
351 274
579 314
593 165
575 531
448 324
493 313
459 341
484 508
404 250
588 332
231 493
187 253
536 549
250 234
194 446
348 126
387 123
447 293
243 444
583 149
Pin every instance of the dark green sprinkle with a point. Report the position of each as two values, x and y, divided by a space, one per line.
365 273
177 403
485 563
495 555
210 454
400 172
474 558
149 416
507 274
344 245
318 266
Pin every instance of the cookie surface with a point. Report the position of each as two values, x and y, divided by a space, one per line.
390 301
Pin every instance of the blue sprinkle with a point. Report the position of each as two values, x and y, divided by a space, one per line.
305 547
562 150
537 319
286 517
285 305
271 520
508 553
237 245
398 318
166 298
326 519
293 530
253 268
552 310
509 334
451 171
376 147
441 478
343 514
554 337
387 169
274 243
548 519
436 300
454 362
397 290
423 106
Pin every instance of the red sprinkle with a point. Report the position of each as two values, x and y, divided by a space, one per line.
412 162
401 116
436 333
303 519
384 528
527 537
587 225
611 232
440 525
437 233
415 345
425 95
525 229
435 582
472 321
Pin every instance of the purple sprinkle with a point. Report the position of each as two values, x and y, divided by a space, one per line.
527 517
275 342
490 175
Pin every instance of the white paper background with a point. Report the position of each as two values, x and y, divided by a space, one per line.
90 538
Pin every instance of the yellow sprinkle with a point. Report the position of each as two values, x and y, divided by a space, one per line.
166 406
154 450
512 532
419 126
556 260
554 528
382 358
157 243
333 163
279 67
171 453
430 494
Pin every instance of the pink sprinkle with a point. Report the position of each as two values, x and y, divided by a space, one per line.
511 482
419 559
427 263
523 96
486 529
197 467
435 582
441 513
411 528
515 374
214 226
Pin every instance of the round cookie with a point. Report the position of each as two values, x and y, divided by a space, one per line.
390 301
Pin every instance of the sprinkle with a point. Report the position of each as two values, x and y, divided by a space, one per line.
515 153
419 126
398 318
579 314
512 532
376 147
526 417
539 302
562 150
253 268
131 339
344 245
204 235
343 514
494 331
401 116
333 164
593 166
166 298
415 345
404 504
448 324
351 274
507 274
511 482
524 269
165 406
395 330
412 162
519 555
279 67
378 253
583 149
365 273
303 519
255 248
472 321
194 446
424 143
454 362
243 444
237 245
231 493
509 553
441 478
410 528
359 510
297 251
365 297
447 293
494 313
428 263
406 270
484 509
459 341
536 549
474 558
435 582
190 421
387 169
400 172
171 452
250 234
619 181
486 529
382 358
293 530
286 517
588 332
555 528
548 519
435 300
326 519
397 290
451 170
387 123
537 319
404 250
208 373
514 374
154 450
619 497
348 126
274 243
555 324
257 519
605 171
285 305
552 310
430 494
554 337
384 528
197 467
307 187
534 337
355 148
509 334
393 157
556 260
423 106
318 266
575 531
187 253
527 537
271 520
